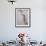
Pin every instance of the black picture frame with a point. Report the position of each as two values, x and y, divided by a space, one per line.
23 11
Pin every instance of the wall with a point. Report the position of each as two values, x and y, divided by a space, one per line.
37 30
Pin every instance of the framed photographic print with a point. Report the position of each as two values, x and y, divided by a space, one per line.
22 17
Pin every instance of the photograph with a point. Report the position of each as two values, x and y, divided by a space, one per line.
22 17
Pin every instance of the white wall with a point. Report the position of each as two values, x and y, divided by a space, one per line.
37 30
